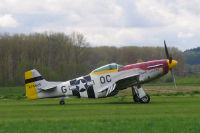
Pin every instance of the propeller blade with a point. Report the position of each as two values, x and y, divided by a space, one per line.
172 73
169 57
166 50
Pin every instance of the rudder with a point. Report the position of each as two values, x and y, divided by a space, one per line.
31 77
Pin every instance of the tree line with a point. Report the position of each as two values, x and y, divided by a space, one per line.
61 57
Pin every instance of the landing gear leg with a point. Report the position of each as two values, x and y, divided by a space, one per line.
136 98
139 96
62 101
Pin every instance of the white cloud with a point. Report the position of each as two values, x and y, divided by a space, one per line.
185 35
7 20
144 22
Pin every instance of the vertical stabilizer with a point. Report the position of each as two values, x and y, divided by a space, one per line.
33 80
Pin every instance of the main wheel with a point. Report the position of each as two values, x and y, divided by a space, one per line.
62 102
145 99
136 98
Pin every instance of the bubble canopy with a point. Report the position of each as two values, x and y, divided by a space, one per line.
112 66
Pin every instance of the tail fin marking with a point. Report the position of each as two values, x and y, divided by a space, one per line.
31 91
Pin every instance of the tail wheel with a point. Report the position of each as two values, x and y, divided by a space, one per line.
62 102
145 99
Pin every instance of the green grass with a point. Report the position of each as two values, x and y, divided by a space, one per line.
189 80
170 110
12 92
115 114
191 93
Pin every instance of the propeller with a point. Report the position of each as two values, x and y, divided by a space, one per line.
169 57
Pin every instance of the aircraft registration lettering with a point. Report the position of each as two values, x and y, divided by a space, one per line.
31 86
63 89
105 79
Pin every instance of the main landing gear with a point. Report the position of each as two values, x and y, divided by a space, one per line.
62 101
139 96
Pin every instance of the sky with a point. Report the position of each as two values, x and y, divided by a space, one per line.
108 22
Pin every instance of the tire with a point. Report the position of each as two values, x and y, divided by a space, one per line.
145 99
136 98
62 102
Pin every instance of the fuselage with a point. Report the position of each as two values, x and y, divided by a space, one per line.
106 80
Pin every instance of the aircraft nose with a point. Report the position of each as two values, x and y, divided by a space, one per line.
172 64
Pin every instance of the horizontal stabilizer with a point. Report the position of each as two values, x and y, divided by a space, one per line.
49 88
35 83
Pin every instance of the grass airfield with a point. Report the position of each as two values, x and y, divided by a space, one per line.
171 112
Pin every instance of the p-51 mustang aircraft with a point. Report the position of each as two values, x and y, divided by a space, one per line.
102 82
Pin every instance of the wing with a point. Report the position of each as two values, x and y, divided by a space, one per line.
109 86
120 84
127 81
108 89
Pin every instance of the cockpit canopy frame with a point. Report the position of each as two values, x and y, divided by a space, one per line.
112 66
